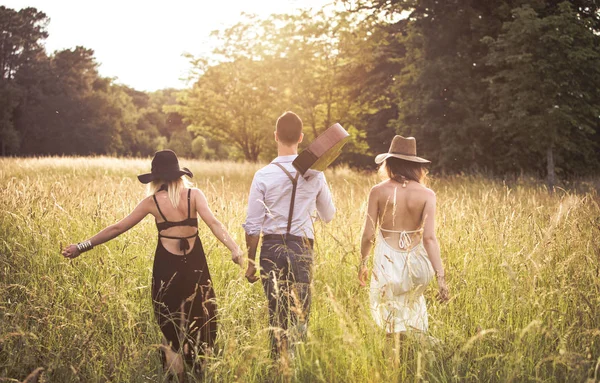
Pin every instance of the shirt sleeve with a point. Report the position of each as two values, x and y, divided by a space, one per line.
256 209
325 206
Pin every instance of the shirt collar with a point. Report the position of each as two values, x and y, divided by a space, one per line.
289 158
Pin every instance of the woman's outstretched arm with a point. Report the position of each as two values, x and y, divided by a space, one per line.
114 230
368 235
431 245
217 227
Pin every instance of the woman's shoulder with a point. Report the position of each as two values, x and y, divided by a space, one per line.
377 188
426 190
425 194
382 185
195 192
147 202
390 185
382 190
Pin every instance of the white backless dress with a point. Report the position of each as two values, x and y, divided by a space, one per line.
398 281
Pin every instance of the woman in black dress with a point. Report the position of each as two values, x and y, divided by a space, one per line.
182 291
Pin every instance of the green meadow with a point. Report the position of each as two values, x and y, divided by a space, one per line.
523 269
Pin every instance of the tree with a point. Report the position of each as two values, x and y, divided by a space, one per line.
20 44
160 113
441 92
441 88
545 87
265 67
308 46
59 104
68 108
22 33
9 96
372 67
233 102
181 143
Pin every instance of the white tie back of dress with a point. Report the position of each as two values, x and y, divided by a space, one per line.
398 281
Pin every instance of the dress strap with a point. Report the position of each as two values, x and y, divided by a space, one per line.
404 241
189 191
294 187
183 243
402 231
158 207
170 237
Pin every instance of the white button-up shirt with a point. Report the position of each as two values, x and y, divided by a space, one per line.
270 198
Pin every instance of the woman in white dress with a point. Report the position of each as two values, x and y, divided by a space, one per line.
407 254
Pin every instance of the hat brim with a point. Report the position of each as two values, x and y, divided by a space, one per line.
384 156
149 177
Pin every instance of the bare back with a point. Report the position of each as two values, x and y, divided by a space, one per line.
400 209
173 214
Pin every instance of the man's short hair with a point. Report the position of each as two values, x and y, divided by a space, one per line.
289 128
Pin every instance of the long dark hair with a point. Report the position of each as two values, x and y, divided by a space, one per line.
398 170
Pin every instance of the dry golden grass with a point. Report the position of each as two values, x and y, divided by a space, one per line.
523 270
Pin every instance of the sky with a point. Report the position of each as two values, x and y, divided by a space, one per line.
140 43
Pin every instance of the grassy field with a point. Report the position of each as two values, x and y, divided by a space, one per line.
523 268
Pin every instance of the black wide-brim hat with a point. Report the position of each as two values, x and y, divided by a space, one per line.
165 167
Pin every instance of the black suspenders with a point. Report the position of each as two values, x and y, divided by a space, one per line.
294 186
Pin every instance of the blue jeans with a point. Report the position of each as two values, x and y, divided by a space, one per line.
286 274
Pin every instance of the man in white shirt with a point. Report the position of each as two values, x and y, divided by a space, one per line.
281 206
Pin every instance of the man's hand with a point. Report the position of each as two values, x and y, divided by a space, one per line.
251 272
252 244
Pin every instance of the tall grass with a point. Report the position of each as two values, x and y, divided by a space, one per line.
523 268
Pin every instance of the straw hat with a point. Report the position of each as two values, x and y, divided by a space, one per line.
403 148
165 167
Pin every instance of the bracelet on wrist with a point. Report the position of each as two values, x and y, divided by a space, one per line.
440 275
364 261
85 246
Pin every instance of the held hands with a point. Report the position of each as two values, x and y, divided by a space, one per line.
71 252
237 256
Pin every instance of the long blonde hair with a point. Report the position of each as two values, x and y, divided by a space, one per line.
174 188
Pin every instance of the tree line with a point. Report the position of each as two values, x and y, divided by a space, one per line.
58 104
500 86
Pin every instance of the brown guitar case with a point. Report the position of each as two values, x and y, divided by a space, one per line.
323 150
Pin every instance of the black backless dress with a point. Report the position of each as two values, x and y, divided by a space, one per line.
182 292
